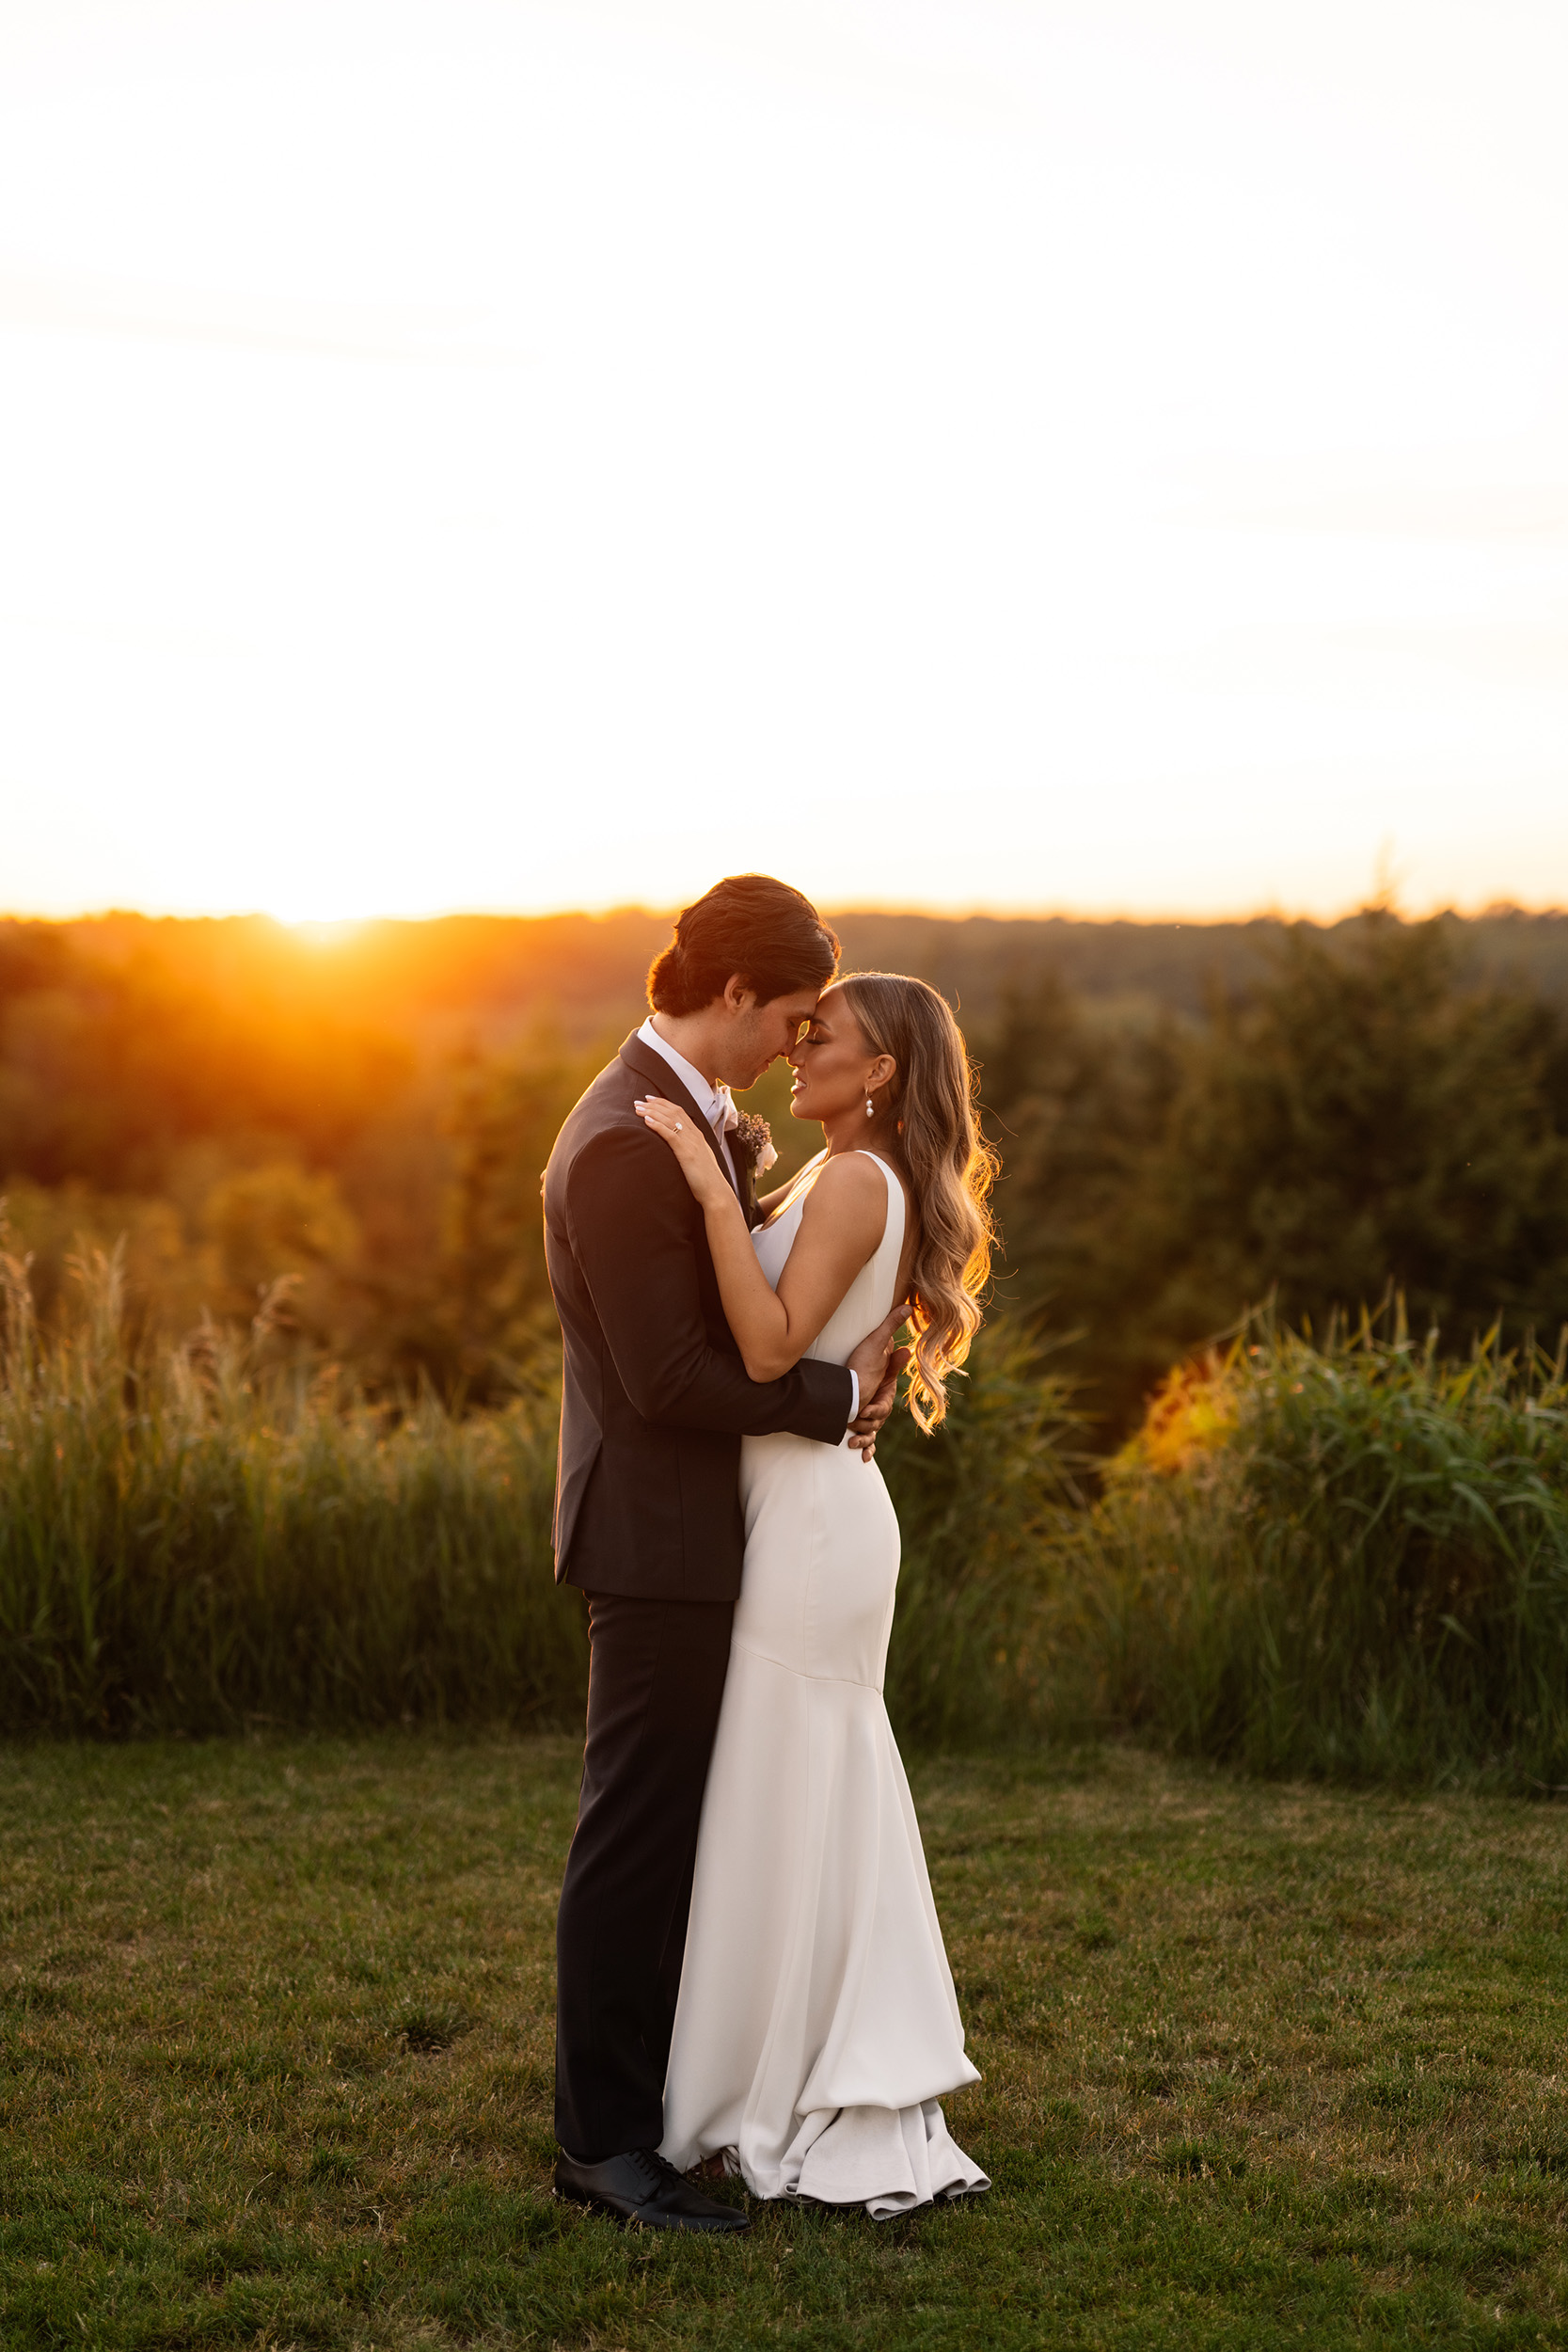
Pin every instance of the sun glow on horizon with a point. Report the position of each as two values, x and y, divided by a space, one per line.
337 932
326 934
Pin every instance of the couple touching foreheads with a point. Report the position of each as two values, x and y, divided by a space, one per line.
752 1977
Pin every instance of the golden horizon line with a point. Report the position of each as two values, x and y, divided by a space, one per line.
892 909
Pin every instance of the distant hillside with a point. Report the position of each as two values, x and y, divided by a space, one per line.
126 1041
363 1115
1169 966
482 982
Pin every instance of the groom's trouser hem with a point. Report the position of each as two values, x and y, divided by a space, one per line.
656 1684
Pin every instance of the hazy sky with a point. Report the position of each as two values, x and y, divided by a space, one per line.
499 453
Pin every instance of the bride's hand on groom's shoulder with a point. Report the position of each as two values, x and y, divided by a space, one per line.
685 1139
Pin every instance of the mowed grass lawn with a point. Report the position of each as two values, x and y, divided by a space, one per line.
1262 2065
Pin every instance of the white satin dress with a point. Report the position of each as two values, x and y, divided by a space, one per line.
817 2027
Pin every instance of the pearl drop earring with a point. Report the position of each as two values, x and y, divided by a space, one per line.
870 1108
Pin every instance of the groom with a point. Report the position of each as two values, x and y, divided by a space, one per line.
648 1522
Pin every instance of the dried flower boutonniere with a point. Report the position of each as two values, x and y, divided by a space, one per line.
752 1141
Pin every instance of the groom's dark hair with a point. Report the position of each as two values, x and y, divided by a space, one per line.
747 923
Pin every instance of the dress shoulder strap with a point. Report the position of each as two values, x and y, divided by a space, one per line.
894 1198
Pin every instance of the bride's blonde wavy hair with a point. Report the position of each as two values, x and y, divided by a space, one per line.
949 1166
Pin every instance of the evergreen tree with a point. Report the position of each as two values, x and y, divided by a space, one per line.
1364 1117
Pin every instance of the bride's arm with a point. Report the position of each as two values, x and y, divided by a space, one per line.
841 1224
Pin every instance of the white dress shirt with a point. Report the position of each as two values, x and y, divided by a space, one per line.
714 1103
718 1108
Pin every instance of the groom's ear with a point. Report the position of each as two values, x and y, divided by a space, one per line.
740 995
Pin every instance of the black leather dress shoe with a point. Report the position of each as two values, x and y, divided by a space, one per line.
640 2186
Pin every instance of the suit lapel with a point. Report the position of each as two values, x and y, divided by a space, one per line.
745 1181
662 1080
748 1182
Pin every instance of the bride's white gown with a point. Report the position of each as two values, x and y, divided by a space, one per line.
817 2026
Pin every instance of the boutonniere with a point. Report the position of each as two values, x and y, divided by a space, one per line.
753 1139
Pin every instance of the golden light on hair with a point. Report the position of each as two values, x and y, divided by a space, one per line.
949 1166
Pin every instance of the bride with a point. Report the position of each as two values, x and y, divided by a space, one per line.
817 2027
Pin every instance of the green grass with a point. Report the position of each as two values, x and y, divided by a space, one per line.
1264 2065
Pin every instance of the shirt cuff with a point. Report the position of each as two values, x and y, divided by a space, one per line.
854 1396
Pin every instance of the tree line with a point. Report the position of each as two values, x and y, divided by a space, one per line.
1190 1118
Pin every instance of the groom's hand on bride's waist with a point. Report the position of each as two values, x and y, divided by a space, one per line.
866 1427
876 1364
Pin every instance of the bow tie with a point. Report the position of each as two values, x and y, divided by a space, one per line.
726 1118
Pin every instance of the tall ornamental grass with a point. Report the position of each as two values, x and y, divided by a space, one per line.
193 1539
1348 1560
978 1503
199 1538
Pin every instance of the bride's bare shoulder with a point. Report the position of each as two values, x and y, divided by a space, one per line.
849 1172
851 1187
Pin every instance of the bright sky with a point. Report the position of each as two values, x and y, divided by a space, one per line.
515 453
